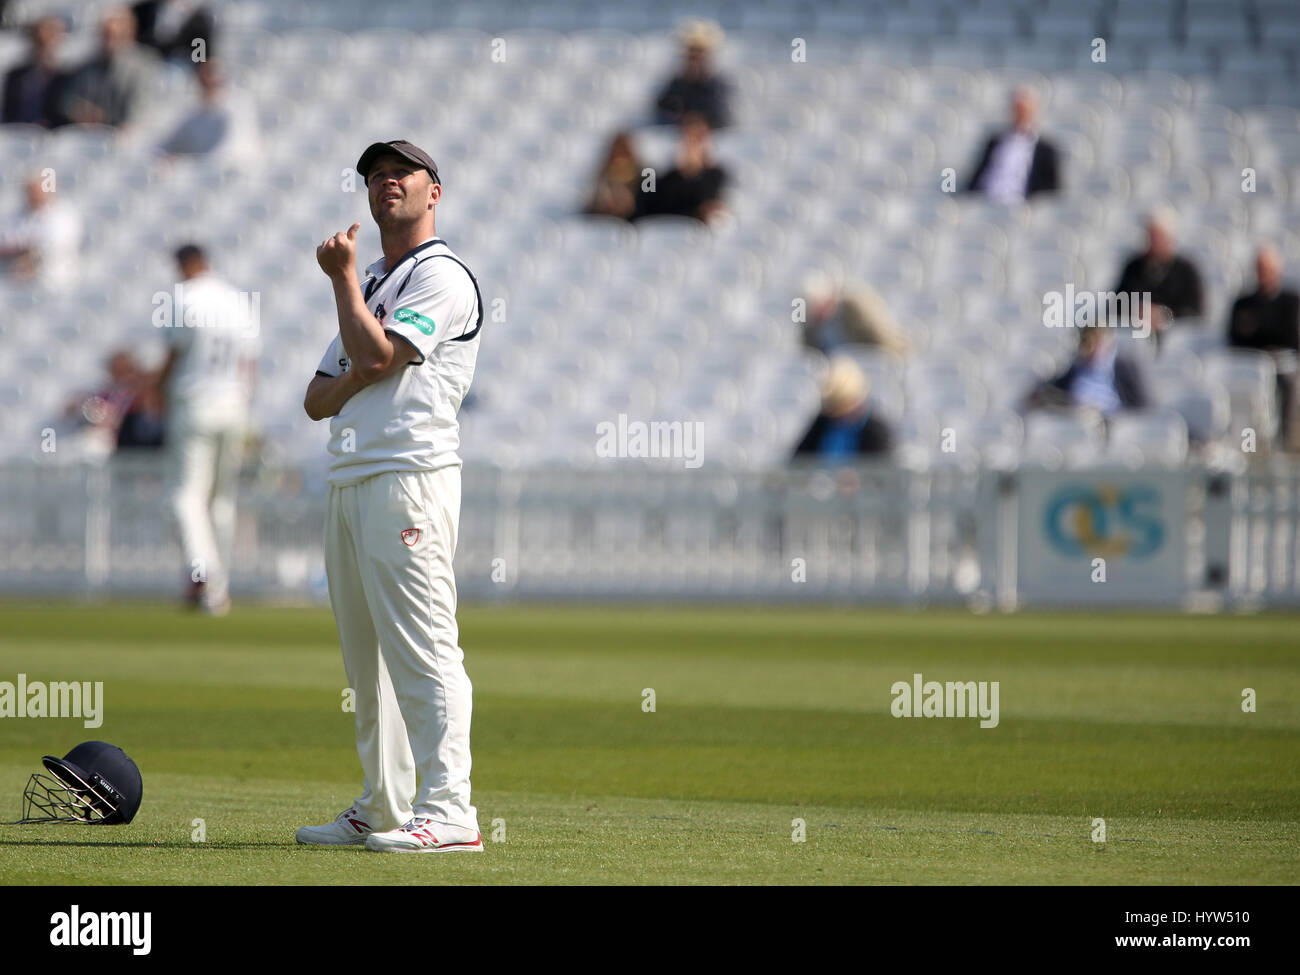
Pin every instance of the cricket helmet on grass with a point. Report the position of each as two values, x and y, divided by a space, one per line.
94 783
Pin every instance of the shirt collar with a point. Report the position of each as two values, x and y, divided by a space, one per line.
378 270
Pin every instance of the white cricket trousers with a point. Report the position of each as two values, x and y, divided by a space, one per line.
389 542
205 458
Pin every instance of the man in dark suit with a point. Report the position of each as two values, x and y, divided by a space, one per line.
1172 281
30 89
1269 319
1019 162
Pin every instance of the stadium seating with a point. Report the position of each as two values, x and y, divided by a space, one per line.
836 165
1152 438
1073 439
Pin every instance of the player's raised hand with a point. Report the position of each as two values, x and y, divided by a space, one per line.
338 254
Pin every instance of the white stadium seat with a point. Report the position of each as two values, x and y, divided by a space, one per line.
1057 440
1155 438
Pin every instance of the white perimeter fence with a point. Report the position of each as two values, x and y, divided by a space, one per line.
993 539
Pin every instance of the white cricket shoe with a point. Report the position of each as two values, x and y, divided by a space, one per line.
346 830
422 835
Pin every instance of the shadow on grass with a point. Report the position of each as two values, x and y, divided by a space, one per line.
171 845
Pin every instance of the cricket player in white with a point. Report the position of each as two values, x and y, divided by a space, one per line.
213 342
393 380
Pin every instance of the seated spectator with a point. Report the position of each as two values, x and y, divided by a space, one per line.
143 424
693 187
1269 318
171 27
618 181
222 124
31 88
125 412
1172 280
850 314
847 427
105 90
1099 378
42 242
1019 162
697 88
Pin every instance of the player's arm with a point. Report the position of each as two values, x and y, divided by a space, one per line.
374 354
326 394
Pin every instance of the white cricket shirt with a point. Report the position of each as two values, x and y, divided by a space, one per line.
216 331
407 422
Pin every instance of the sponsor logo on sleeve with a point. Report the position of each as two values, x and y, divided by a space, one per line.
412 317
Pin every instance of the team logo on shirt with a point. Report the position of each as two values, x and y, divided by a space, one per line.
412 317
410 536
380 312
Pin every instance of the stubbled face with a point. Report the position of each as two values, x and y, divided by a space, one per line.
400 192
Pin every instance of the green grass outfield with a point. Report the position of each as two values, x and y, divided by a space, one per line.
763 716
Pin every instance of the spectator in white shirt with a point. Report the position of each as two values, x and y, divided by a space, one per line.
42 243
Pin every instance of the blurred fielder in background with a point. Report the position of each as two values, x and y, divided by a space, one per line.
213 344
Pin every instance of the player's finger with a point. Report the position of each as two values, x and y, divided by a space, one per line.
352 231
